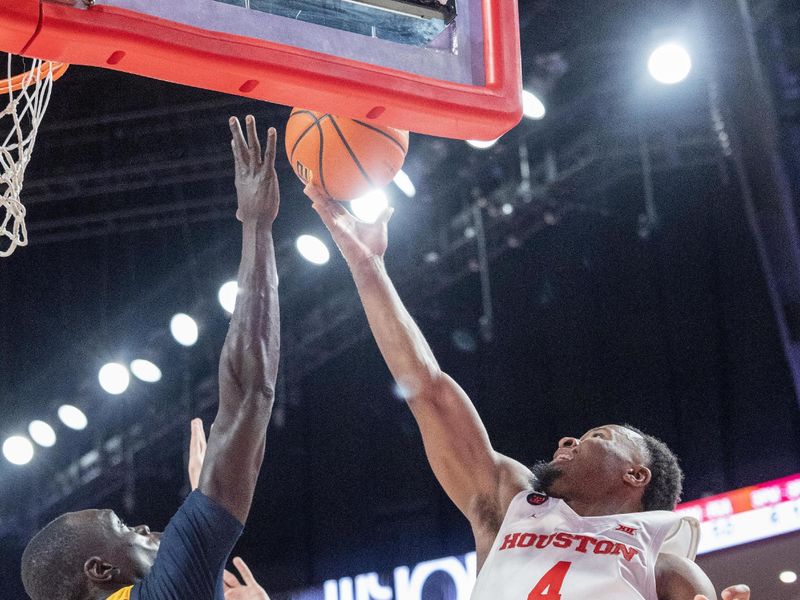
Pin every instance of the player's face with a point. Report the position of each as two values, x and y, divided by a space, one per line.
132 549
599 460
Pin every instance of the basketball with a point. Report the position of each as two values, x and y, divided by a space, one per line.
346 158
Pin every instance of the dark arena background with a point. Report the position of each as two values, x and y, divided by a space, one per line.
629 257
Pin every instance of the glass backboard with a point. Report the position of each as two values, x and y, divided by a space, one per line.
442 67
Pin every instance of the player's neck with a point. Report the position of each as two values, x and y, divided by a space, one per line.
610 506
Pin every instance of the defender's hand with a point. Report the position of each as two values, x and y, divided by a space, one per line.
197 452
735 592
235 590
358 241
256 180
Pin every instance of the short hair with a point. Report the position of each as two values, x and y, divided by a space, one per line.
52 563
666 483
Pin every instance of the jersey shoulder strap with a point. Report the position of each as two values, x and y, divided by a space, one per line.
521 505
683 539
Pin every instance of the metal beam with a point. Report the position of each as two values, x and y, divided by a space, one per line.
747 122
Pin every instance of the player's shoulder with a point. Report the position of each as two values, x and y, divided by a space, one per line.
488 509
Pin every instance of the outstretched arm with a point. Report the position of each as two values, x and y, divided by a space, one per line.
249 362
480 481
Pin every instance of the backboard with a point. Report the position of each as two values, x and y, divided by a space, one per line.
450 69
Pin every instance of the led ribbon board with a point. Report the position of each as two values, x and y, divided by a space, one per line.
452 71
746 515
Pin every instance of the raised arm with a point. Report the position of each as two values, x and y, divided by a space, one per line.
248 365
480 481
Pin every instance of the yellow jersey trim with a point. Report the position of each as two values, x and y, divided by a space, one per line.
123 594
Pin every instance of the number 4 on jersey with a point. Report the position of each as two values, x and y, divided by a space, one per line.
549 586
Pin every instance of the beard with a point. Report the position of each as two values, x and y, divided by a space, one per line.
545 474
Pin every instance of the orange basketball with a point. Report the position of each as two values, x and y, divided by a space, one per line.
345 158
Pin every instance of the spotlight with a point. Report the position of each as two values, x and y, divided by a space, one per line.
42 434
507 209
370 206
788 576
670 64
463 340
403 181
532 107
184 329
114 378
401 392
145 371
227 296
482 145
313 250
72 417
18 450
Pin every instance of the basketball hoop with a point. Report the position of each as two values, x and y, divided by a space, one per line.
28 96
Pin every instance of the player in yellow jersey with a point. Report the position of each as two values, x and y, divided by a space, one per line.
92 554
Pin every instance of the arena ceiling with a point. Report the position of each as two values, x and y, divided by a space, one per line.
130 203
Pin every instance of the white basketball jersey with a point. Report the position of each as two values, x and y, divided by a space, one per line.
546 551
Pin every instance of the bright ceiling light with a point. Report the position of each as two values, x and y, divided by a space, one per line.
313 250
370 206
72 417
114 378
145 370
227 296
42 434
18 450
532 107
670 64
184 329
403 181
481 145
788 576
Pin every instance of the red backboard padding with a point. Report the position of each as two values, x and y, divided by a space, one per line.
144 45
18 22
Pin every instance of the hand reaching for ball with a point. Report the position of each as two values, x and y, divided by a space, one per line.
359 242
256 181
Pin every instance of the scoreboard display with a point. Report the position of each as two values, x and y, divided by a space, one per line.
747 515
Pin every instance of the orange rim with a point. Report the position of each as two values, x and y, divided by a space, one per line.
17 82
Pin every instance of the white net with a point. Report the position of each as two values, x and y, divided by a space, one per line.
28 95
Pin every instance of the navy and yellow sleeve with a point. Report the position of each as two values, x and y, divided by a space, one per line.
194 550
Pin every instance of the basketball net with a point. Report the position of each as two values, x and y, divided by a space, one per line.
28 96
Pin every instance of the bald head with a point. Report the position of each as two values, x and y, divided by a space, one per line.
83 552
52 564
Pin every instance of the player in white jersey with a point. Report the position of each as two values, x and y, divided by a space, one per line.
594 523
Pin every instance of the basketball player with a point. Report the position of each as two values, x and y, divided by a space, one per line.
595 522
92 554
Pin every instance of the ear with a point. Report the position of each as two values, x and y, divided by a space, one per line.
99 571
638 476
